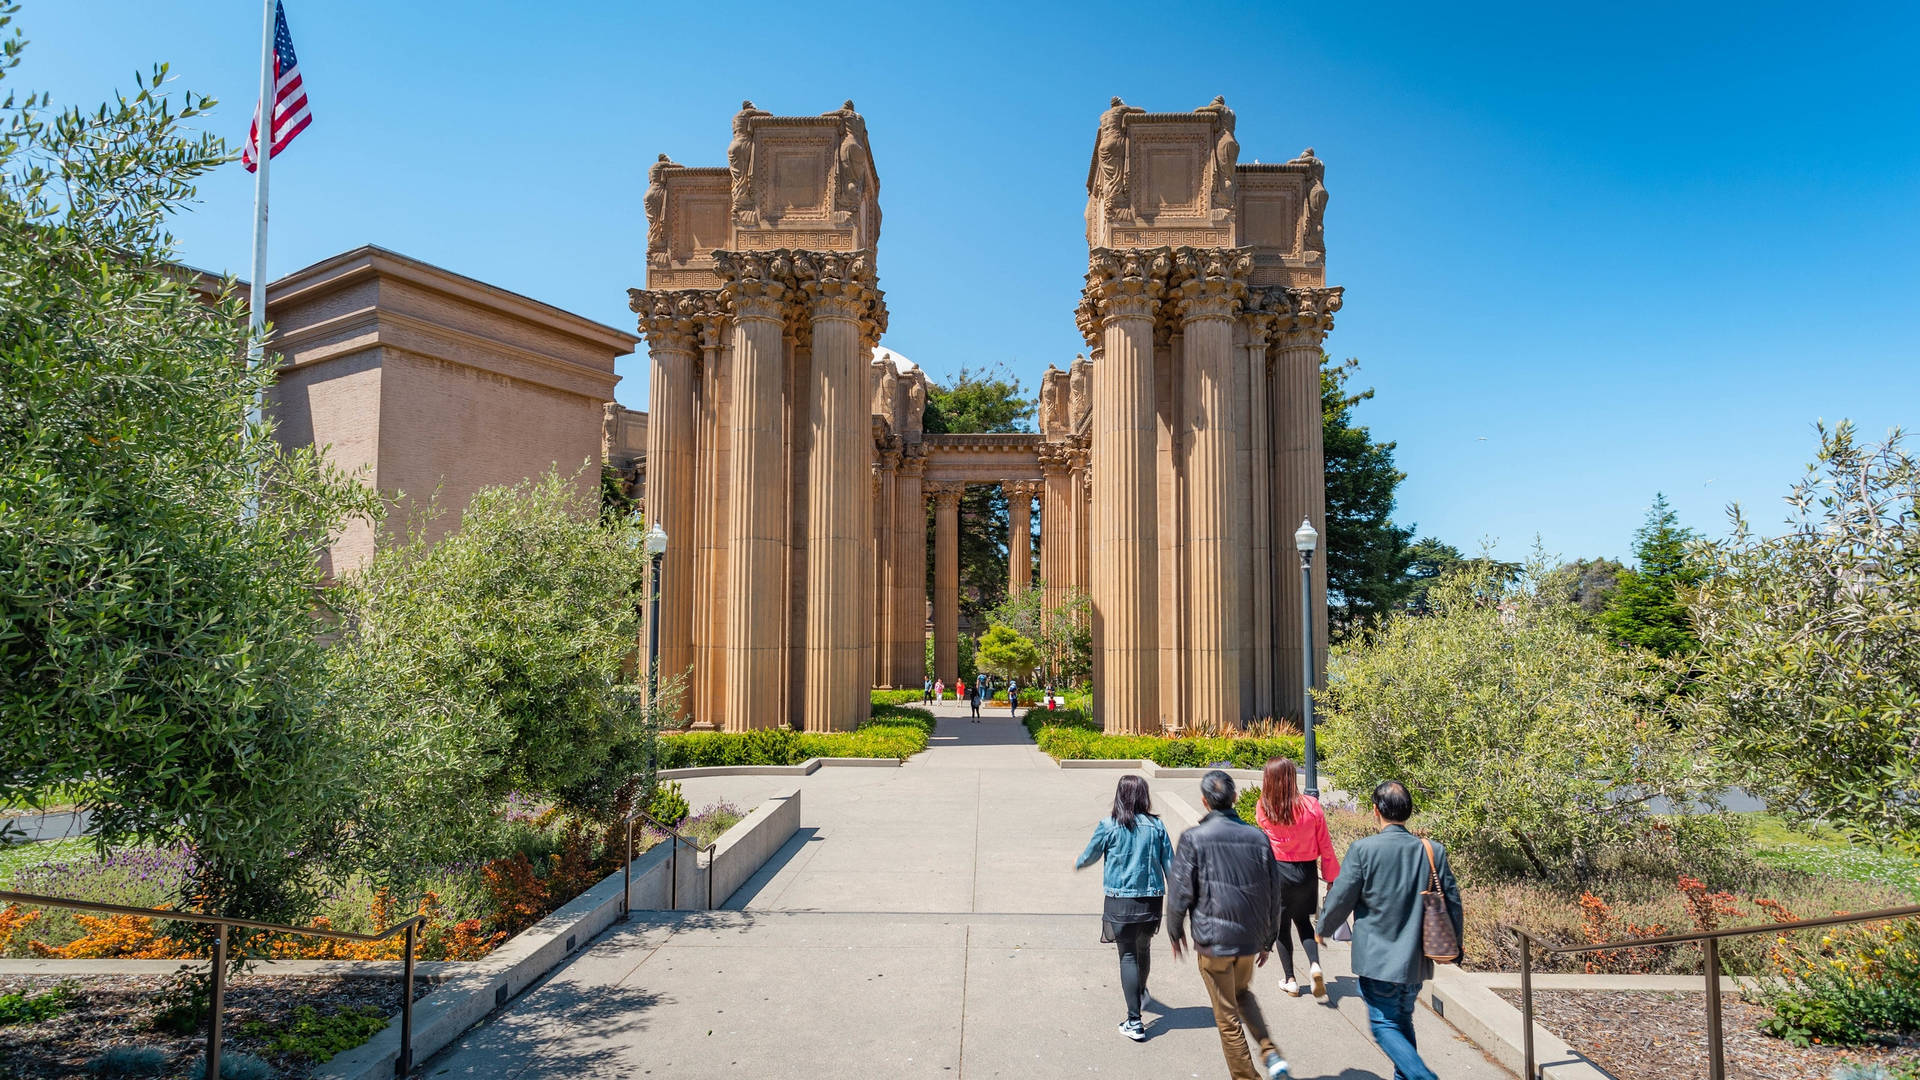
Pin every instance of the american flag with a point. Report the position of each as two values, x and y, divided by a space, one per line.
290 115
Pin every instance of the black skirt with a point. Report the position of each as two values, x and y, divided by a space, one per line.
1126 911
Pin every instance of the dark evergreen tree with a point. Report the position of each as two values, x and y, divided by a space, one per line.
1368 556
1647 609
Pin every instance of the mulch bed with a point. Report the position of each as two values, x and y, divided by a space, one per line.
1652 1035
115 1010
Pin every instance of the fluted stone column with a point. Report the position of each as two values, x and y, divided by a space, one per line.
886 564
756 525
1019 535
710 604
910 581
1056 525
1259 488
946 579
1215 621
1126 288
671 322
1300 482
839 484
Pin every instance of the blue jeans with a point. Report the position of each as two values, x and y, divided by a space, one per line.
1390 1011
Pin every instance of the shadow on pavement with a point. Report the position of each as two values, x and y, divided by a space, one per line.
990 731
778 861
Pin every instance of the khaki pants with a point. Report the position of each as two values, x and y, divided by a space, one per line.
1229 980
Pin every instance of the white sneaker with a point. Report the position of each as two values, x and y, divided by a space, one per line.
1276 1067
1291 988
1134 1030
1319 981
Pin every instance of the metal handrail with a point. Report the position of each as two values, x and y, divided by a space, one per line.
1710 944
673 873
216 997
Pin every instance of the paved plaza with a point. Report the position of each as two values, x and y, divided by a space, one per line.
926 921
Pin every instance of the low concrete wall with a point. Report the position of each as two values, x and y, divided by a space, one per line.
1495 1026
469 991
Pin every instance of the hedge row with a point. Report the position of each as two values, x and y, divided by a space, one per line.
1070 734
892 732
908 696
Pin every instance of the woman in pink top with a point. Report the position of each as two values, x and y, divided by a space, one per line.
1297 827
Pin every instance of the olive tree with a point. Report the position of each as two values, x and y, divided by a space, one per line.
1809 672
493 660
1528 741
158 554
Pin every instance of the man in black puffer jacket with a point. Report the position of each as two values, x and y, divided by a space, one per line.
1224 876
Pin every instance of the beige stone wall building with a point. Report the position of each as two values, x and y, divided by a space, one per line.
427 383
788 462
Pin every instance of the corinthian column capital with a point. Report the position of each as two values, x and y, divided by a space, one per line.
673 318
1125 283
1307 315
1209 283
946 493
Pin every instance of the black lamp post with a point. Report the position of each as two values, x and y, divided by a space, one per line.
656 546
1305 539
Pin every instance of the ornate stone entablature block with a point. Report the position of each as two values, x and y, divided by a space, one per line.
790 183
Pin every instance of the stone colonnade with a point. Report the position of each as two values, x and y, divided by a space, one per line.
1206 437
763 486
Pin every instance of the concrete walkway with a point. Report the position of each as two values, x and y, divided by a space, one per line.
925 922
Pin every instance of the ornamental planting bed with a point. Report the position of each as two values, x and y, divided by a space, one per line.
107 1011
1654 1035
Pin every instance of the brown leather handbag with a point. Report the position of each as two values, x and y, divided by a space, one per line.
1439 940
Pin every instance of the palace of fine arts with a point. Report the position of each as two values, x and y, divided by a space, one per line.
542 542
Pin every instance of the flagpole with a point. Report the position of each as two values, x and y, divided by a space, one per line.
262 158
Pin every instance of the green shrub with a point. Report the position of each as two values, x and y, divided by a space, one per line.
315 1037
1068 734
893 731
31 1009
1855 983
120 1061
899 697
669 806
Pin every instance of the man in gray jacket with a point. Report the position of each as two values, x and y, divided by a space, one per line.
1225 877
1380 885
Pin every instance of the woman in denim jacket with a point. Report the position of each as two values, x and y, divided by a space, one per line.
1137 851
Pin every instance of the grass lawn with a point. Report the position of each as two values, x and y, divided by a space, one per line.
1823 852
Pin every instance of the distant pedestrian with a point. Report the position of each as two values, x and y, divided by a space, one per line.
1225 877
1381 887
1013 697
973 699
959 688
926 688
939 689
1297 827
1134 843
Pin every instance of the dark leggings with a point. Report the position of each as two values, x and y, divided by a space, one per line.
1299 896
1136 958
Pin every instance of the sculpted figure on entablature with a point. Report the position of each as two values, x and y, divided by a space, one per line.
740 156
916 402
886 393
1079 396
655 202
1053 401
1111 153
1226 152
851 185
1313 233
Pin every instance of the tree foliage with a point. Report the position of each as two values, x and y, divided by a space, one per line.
1527 741
158 556
1808 676
979 401
1647 608
1367 555
491 662
1063 632
1007 653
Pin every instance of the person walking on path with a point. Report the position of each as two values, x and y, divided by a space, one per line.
973 699
1297 827
927 688
1381 888
939 689
1134 844
1224 877
1013 697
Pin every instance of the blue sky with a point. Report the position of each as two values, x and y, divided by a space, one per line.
1590 253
